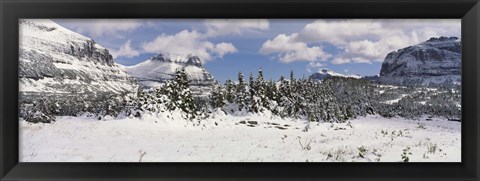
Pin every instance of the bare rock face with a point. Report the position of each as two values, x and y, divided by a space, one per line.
436 61
57 62
154 71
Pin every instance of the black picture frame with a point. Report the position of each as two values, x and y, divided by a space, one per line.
467 10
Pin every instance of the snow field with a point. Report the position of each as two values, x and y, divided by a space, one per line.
241 138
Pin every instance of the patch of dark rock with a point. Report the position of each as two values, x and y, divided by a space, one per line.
457 120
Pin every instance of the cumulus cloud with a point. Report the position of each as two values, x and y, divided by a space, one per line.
188 42
339 32
365 41
125 50
224 48
217 27
289 50
198 43
314 65
104 27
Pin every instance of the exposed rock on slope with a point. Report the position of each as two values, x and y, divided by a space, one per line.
159 68
54 61
436 61
326 73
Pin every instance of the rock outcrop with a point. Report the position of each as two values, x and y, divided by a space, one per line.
434 62
56 62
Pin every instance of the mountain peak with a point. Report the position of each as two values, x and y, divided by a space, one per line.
55 61
442 38
437 58
162 67
188 60
326 73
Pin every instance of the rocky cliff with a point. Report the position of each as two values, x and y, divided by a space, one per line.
436 61
54 61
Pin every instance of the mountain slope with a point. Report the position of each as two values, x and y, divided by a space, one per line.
54 61
436 61
326 73
160 68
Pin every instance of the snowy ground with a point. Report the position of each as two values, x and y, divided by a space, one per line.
254 138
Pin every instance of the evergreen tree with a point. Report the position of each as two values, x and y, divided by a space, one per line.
230 91
260 75
180 95
217 97
253 99
292 78
251 84
240 97
260 89
284 98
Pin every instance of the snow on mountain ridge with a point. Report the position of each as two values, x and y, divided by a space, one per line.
154 71
54 61
326 73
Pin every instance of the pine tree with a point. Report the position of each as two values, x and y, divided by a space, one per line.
178 91
272 96
260 75
240 97
253 98
284 97
230 91
260 87
292 78
251 84
217 97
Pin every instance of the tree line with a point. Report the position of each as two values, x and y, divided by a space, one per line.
335 99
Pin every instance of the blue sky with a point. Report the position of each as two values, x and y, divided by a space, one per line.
227 46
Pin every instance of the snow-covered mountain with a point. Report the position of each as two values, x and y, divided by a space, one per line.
436 61
326 73
54 61
159 68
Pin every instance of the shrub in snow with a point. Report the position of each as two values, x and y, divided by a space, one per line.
40 113
405 153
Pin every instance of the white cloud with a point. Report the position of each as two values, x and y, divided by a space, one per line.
366 41
188 42
314 65
125 50
217 27
339 31
104 27
290 50
224 48
198 43
195 42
